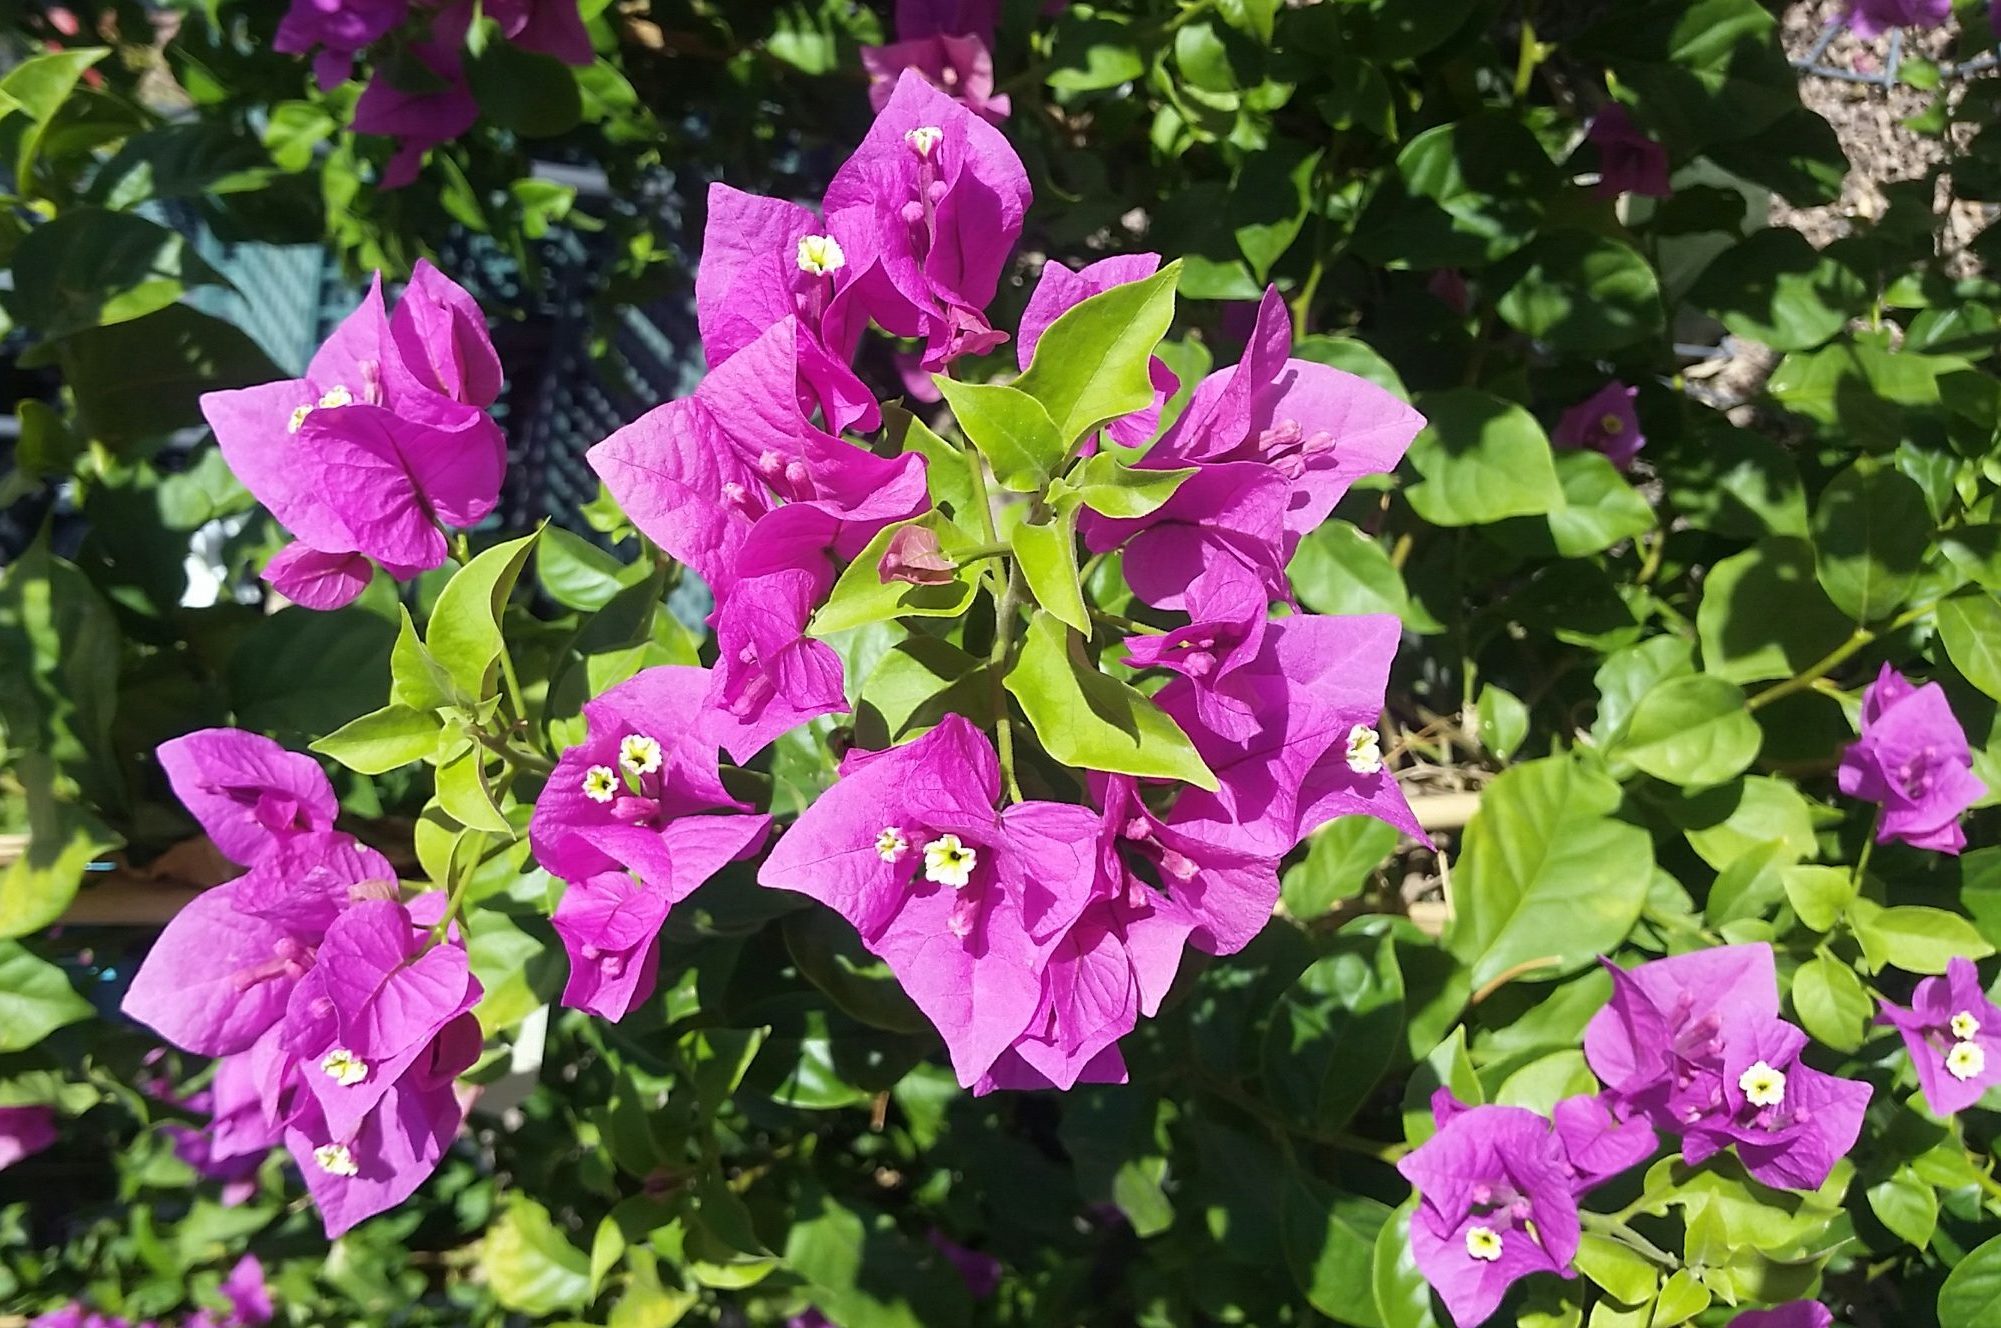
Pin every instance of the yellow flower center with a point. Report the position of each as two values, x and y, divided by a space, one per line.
1965 1061
1611 424
1484 1244
344 1067
949 862
1762 1085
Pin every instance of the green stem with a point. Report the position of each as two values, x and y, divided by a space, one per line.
1125 624
514 697
1302 303
533 762
1868 848
456 883
1656 549
1613 1228
464 547
1982 1178
1838 656
1004 613
1527 58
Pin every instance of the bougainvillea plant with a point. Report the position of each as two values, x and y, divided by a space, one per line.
1282 667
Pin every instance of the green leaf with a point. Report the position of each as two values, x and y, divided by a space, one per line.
1691 730
463 634
1969 624
63 839
1402 1295
1831 1003
303 672
914 684
1047 556
1504 720
1600 508
1907 1206
1446 1066
463 793
382 740
1269 201
39 85
1682 1298
1914 938
1092 54
1481 459
532 94
1108 486
1091 364
1581 292
1339 858
1724 822
1871 529
1011 429
1339 569
861 596
1736 482
35 998
1625 1275
1545 872
1334 1033
417 680
530 1265
1971 1296
1330 1237
1091 722
1473 190
87 268
1764 615
578 574
1819 895
831 957
142 378
1774 287
1861 392
197 160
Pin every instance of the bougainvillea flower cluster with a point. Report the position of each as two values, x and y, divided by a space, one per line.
340 1016
246 1303
383 442
1913 761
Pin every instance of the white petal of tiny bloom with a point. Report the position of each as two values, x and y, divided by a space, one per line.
1964 1025
890 845
821 254
1762 1085
600 783
1966 1061
1365 750
298 419
336 395
639 754
335 1160
1484 1244
924 139
344 1067
949 862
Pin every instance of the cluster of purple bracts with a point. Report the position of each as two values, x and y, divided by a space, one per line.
340 1016
246 1303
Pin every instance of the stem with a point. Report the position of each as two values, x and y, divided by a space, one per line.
1614 1229
457 883
1125 624
1526 59
464 547
1804 679
1004 613
1981 1177
1652 565
513 684
533 762
1302 303
1868 848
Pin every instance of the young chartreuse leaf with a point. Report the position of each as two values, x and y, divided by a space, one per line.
1111 488
1048 557
464 632
861 595
1089 721
1091 365
382 740
1011 429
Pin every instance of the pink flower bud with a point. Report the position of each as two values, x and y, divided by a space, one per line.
915 556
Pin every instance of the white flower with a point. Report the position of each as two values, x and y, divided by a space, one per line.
1762 1085
1965 1026
600 783
1484 1244
949 862
1966 1061
344 1067
298 419
1365 750
639 754
335 1160
924 140
820 255
336 395
890 845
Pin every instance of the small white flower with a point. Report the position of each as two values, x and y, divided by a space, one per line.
1763 1086
1484 1244
1965 1026
1365 750
949 862
820 255
335 1160
890 845
298 419
600 783
1966 1061
336 395
639 754
924 140
344 1067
